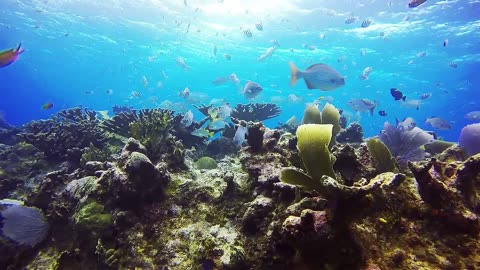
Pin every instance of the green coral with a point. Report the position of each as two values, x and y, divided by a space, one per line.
93 153
92 217
313 140
384 161
206 163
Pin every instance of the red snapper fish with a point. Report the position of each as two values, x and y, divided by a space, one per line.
9 56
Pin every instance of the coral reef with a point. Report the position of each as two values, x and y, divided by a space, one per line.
256 112
470 139
68 129
206 163
349 207
352 134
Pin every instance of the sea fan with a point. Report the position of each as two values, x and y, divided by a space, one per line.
21 224
404 143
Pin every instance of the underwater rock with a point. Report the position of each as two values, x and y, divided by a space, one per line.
255 136
353 164
221 147
310 226
352 134
255 214
133 145
452 189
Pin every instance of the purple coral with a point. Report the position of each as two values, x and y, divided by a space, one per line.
404 143
470 139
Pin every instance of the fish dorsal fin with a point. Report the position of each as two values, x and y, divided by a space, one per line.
315 65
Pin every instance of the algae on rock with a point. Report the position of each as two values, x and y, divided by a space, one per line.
384 161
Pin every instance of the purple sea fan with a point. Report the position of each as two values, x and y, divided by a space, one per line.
404 143
470 139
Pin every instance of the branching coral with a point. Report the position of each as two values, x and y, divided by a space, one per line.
256 112
73 128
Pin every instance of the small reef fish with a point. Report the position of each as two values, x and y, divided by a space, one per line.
89 92
382 113
438 123
322 36
144 81
227 56
259 26
247 33
267 54
233 78
351 19
224 111
217 124
109 91
275 43
292 98
425 96
239 137
202 133
317 76
445 43
362 105
422 54
136 94
47 106
407 124
164 75
453 65
7 57
185 93
251 90
215 49
187 119
415 3
365 73
412 104
473 116
366 23
397 94
181 63
221 80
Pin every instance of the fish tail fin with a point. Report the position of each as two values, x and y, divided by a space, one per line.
404 97
371 110
294 73
210 134
19 50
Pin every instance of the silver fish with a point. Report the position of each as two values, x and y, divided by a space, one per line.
181 63
224 111
267 54
438 123
187 119
185 93
362 105
317 76
221 80
251 90
239 137
473 116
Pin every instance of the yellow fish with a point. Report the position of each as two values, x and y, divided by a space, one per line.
9 56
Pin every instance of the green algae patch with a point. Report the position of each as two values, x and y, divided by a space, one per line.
206 163
384 161
92 216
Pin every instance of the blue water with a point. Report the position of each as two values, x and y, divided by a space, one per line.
76 50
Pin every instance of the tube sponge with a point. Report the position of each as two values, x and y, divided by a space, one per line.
21 224
470 139
313 140
330 115
312 115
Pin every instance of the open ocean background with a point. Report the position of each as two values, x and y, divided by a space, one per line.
77 50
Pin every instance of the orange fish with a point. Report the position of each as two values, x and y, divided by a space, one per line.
9 56
47 106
